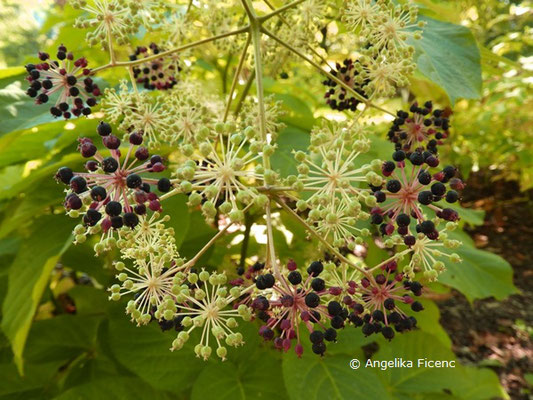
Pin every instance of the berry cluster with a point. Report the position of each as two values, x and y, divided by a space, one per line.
76 91
112 193
293 299
160 73
410 189
337 97
423 128
381 295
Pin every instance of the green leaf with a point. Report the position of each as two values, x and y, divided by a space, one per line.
130 388
180 218
145 352
20 111
466 383
289 139
42 141
256 378
61 338
448 55
28 277
329 377
197 238
481 274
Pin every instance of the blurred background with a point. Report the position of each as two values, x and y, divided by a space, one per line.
80 346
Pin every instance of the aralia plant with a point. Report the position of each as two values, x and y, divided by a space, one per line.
222 161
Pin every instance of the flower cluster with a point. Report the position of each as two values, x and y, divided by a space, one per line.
227 174
67 80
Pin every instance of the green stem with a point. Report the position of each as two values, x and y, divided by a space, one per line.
171 51
256 39
236 76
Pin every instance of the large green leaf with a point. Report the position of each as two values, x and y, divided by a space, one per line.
130 388
330 377
467 383
42 141
241 380
145 352
448 55
481 273
20 111
28 276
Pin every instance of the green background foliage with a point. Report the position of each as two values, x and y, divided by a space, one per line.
98 353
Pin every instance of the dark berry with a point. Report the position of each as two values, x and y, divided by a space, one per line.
330 334
98 193
64 174
73 202
425 197
376 219
424 178
164 185
398 155
111 142
92 217
416 158
109 164
427 227
452 196
438 189
377 315
388 167
133 181
315 268
318 284
368 329
117 222
403 220
113 208
104 129
319 348
409 240
294 277
394 186
316 337
334 308
387 332
449 171
417 306
312 300
389 304
337 322
380 196
78 184
131 220
142 154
